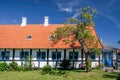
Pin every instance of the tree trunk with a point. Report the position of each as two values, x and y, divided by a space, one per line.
88 62
87 56
99 61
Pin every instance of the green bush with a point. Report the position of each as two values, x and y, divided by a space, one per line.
100 66
3 66
88 65
13 66
65 64
27 64
46 69
21 68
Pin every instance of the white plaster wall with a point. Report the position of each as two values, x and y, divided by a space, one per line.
101 56
94 64
83 56
114 58
8 62
43 63
114 55
35 63
52 63
96 57
18 62
77 64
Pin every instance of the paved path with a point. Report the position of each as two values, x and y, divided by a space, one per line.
110 69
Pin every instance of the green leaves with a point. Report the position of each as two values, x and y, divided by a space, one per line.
79 28
58 33
96 51
63 32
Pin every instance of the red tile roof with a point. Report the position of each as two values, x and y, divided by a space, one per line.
15 36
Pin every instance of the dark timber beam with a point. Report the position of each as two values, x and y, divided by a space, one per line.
64 53
21 57
56 58
5 54
73 57
39 59
13 56
47 56
82 55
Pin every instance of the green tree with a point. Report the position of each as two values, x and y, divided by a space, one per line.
80 29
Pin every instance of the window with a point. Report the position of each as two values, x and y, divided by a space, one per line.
92 56
70 55
41 55
53 55
73 55
24 55
4 55
51 37
7 56
76 55
118 55
56 55
29 37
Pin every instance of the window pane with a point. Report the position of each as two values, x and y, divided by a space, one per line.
53 55
76 55
22 55
7 55
1 55
118 55
92 56
38 55
59 55
26 55
43 55
70 55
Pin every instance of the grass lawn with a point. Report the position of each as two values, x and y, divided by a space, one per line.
70 75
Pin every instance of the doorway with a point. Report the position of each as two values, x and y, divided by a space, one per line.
107 59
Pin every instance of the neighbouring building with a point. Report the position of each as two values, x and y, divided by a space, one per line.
19 41
109 56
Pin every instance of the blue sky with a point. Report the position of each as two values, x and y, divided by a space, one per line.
107 23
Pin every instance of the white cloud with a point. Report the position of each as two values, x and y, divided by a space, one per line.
72 6
76 15
66 9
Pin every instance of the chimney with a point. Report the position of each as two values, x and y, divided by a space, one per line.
24 21
46 21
